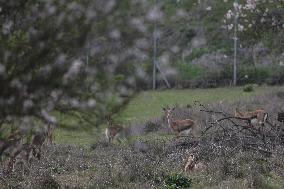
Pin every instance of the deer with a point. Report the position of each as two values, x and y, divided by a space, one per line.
113 130
38 141
49 129
259 115
7 146
24 153
178 126
191 165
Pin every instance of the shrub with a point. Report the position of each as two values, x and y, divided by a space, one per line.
177 181
151 126
48 182
248 88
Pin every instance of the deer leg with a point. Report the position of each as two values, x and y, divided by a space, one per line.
177 134
9 165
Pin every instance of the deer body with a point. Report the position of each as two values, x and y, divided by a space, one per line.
22 155
191 165
178 126
113 130
19 153
259 115
37 143
49 128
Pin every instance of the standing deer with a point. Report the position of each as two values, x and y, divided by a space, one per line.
49 129
259 115
113 130
191 165
38 141
178 126
23 153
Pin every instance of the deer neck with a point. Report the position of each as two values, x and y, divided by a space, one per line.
169 119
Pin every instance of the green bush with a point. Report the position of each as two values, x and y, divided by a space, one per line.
248 88
177 181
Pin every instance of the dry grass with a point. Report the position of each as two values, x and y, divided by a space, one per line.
150 154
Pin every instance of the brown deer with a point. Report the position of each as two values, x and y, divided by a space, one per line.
259 115
49 129
23 153
8 145
178 126
191 165
38 141
113 130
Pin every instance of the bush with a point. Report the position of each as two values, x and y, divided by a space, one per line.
177 181
151 126
48 182
248 88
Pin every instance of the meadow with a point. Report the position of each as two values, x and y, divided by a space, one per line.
148 105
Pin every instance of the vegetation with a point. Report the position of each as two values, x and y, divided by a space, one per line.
154 163
67 65
148 105
177 181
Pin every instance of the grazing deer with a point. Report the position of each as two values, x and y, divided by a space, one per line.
22 155
113 130
191 165
178 126
259 114
8 146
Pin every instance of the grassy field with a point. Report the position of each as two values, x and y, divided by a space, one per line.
148 104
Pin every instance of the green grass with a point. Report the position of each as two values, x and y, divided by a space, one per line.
77 137
148 104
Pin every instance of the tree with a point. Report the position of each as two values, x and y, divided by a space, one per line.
42 66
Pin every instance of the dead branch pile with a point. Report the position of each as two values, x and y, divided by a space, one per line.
239 133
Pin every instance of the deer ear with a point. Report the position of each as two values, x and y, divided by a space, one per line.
173 108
